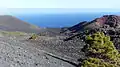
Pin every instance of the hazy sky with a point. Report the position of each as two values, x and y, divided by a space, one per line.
88 5
59 3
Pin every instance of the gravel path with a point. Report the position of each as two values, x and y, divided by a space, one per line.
14 53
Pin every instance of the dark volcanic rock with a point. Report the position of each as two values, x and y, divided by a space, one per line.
76 27
107 21
66 50
109 24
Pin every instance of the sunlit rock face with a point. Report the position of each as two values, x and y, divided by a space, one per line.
111 20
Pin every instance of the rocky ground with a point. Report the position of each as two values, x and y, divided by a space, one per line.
17 52
67 50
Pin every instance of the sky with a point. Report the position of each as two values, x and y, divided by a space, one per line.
59 4
29 6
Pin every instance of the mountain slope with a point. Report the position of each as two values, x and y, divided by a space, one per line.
10 23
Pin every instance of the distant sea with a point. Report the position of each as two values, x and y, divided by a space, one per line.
60 20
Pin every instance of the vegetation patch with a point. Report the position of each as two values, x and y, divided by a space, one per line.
14 33
34 36
101 52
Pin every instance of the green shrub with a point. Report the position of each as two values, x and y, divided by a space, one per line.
33 37
101 51
95 62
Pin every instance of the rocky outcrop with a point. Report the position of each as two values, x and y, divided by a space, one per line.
109 24
106 22
111 20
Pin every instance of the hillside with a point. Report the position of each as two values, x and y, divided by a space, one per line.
104 24
55 48
70 45
10 23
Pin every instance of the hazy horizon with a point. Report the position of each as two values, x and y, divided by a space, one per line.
59 4
13 11
10 7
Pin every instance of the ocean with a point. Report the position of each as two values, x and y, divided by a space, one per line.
60 20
